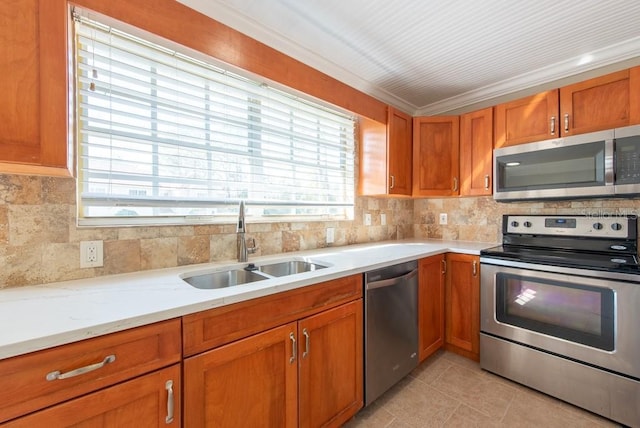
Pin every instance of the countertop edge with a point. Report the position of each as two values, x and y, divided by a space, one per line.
78 303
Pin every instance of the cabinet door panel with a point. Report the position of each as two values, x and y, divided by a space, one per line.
596 104
436 156
463 304
527 119
141 402
476 152
33 57
331 384
431 305
399 133
251 382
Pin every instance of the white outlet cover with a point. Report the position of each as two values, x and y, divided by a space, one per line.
367 219
330 235
383 219
91 254
443 218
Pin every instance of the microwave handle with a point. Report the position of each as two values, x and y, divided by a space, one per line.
609 173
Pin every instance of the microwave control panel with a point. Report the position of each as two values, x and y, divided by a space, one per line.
628 160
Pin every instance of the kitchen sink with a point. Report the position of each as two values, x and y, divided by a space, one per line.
290 267
252 273
222 279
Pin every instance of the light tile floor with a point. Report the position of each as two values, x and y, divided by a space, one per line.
451 391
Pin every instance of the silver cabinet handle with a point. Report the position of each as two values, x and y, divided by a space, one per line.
82 370
475 268
566 122
486 182
455 184
294 348
444 266
169 387
552 126
393 182
306 343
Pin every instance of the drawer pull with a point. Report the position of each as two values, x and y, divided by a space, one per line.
169 387
475 268
82 370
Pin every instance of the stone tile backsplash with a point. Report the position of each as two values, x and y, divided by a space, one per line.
40 242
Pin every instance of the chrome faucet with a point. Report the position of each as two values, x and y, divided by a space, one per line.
243 250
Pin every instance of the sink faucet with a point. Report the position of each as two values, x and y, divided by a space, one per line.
243 250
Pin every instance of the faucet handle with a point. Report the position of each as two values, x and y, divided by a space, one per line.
251 248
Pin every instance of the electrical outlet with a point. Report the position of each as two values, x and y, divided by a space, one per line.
330 235
91 254
443 218
367 219
383 219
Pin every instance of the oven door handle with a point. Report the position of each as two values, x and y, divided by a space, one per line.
392 281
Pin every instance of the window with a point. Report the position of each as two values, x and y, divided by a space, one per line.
166 138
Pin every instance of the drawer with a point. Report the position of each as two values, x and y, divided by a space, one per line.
208 329
33 381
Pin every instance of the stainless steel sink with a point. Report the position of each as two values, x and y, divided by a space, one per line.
290 267
222 279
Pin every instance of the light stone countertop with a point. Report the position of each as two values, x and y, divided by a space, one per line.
42 316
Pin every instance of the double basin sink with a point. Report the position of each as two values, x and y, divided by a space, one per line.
251 273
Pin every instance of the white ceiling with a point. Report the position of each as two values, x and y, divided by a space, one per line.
432 56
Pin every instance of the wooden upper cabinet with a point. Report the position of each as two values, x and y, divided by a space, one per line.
385 155
528 119
436 156
602 103
399 133
476 152
33 59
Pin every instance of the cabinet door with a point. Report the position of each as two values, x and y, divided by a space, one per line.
251 382
399 133
436 156
533 118
331 365
602 103
431 305
463 304
476 152
152 400
33 111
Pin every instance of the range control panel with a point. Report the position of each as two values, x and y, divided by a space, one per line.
596 226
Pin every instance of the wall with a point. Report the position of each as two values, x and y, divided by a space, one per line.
480 219
40 242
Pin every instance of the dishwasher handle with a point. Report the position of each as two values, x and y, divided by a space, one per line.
391 281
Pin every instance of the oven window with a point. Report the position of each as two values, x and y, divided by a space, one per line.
577 313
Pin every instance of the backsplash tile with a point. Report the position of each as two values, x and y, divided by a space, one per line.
40 242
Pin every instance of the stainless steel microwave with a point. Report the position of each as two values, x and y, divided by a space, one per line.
599 164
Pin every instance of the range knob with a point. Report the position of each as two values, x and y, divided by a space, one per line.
527 224
515 224
616 226
597 226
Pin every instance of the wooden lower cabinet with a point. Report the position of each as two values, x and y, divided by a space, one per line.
431 305
306 373
147 401
462 299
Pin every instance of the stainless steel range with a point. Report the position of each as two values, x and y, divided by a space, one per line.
560 310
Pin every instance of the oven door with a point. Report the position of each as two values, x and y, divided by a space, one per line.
568 312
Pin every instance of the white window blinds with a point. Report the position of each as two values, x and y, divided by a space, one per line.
165 136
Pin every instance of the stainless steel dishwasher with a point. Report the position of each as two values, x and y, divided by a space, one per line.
390 327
